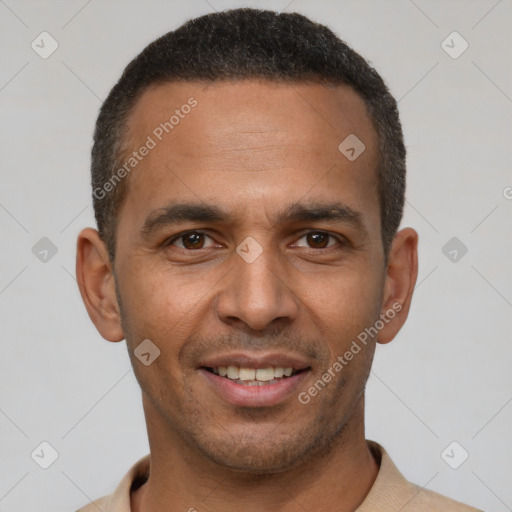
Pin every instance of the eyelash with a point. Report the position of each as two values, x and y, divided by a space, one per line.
341 241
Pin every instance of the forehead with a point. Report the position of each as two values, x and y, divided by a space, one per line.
253 138
234 113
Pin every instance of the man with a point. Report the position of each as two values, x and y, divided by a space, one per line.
248 175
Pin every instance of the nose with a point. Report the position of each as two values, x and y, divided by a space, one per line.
255 295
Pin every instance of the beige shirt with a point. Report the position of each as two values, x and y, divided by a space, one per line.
390 492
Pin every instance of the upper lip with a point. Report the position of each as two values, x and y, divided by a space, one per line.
256 360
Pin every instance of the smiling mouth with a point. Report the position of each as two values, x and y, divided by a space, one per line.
254 376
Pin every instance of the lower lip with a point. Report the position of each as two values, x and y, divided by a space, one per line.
263 395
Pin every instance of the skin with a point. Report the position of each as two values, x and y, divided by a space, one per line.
251 148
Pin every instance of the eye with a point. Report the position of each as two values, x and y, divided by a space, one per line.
319 239
191 240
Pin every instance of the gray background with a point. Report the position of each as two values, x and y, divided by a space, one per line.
445 378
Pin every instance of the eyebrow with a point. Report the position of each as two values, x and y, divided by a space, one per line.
178 213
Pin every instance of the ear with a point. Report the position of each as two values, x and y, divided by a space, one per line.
401 274
97 286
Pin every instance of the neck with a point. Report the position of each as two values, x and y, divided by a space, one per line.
184 480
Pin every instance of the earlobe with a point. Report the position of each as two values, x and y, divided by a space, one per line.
401 275
97 286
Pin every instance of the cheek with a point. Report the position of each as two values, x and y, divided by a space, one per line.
161 303
345 301
163 309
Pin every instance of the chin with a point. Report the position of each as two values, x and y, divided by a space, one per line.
264 453
254 460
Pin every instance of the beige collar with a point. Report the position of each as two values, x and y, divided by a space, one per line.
391 492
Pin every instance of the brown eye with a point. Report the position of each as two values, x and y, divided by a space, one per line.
190 240
318 240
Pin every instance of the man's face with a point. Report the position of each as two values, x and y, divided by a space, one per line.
264 283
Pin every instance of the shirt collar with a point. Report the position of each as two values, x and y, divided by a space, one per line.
390 491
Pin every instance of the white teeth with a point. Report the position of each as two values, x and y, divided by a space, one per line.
265 374
232 372
247 374
278 372
252 374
